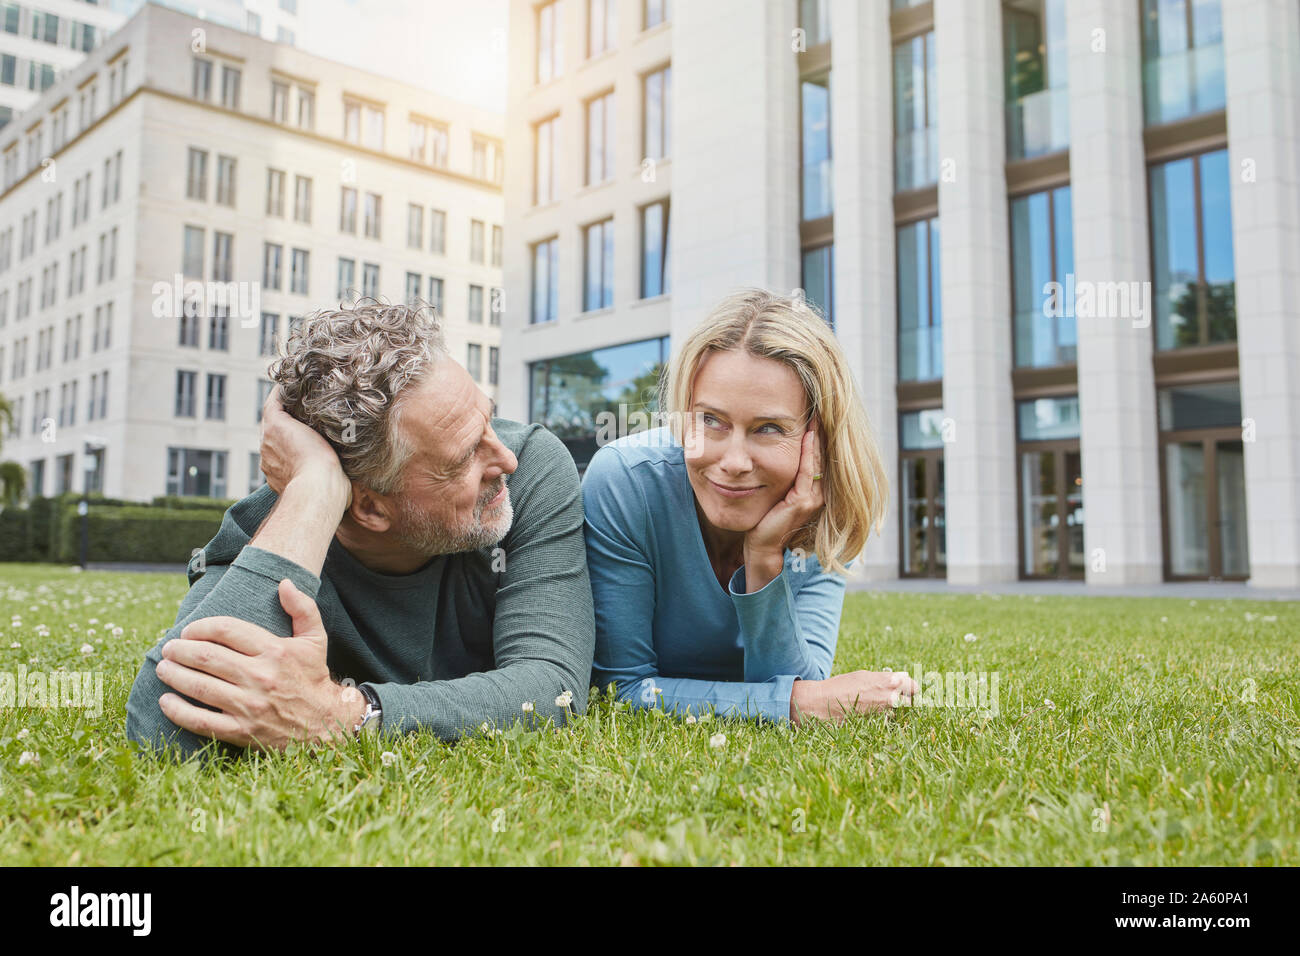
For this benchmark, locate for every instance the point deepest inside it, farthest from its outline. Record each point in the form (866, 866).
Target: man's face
(454, 496)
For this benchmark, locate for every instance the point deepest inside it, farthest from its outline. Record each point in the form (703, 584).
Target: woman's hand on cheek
(765, 542)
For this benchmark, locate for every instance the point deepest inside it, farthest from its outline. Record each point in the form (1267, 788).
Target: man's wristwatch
(371, 719)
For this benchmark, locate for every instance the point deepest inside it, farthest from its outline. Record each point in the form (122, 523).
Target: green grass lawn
(1172, 736)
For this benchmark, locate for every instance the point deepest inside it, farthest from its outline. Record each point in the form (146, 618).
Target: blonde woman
(717, 546)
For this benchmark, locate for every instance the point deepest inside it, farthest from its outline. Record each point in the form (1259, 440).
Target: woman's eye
(710, 421)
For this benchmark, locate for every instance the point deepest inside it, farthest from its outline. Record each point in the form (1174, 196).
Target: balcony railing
(1038, 123)
(1183, 84)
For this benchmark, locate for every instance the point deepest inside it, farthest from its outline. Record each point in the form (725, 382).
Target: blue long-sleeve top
(663, 623)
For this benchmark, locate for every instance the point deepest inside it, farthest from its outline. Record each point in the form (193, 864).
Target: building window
(373, 137)
(600, 138)
(1042, 267)
(215, 408)
(498, 245)
(437, 231)
(657, 100)
(189, 325)
(920, 318)
(352, 122)
(299, 271)
(264, 388)
(474, 361)
(654, 249)
(255, 477)
(302, 199)
(268, 334)
(271, 256)
(370, 280)
(435, 294)
(916, 111)
(412, 288)
(1182, 59)
(816, 153)
(567, 394)
(223, 266)
(275, 192)
(219, 329)
(546, 281)
(549, 42)
(815, 21)
(192, 252)
(428, 142)
(230, 87)
(476, 239)
(1191, 256)
(488, 159)
(279, 102)
(347, 279)
(195, 472)
(475, 315)
(414, 226)
(598, 266)
(306, 109)
(655, 12)
(545, 160)
(348, 210)
(494, 365)
(819, 280)
(602, 26)
(196, 179)
(200, 81)
(225, 180)
(1037, 77)
(185, 387)
(373, 215)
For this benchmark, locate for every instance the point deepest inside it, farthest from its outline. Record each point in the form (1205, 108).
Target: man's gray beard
(418, 532)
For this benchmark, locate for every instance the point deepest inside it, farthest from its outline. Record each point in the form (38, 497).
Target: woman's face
(743, 436)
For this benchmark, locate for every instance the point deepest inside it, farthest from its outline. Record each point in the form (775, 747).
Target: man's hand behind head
(291, 449)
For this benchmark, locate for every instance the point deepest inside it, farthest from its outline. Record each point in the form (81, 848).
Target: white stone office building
(155, 165)
(40, 40)
(1059, 240)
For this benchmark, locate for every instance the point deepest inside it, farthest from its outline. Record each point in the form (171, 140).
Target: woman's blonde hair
(787, 329)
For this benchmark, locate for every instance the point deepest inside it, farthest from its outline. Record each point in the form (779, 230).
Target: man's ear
(370, 510)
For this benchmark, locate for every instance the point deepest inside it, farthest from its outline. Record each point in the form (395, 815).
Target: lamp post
(91, 445)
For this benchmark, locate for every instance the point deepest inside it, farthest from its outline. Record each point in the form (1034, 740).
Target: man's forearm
(302, 523)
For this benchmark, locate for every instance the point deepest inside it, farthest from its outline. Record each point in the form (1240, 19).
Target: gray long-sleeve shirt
(467, 638)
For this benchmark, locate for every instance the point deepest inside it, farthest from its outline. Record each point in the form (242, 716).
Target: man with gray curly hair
(413, 562)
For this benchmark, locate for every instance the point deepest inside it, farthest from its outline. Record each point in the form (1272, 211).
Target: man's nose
(504, 459)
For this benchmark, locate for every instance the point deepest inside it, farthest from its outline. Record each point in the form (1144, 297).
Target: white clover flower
(1047, 702)
(925, 623)
(93, 620)
(388, 758)
(117, 632)
(28, 757)
(565, 699)
(87, 649)
(24, 734)
(14, 646)
(1163, 619)
(527, 707)
(970, 638)
(484, 728)
(889, 627)
(91, 632)
(690, 718)
(718, 740)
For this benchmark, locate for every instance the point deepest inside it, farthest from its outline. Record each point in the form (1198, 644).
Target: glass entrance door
(923, 550)
(1051, 510)
(1205, 506)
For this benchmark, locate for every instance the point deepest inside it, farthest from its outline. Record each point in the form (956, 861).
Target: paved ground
(1180, 589)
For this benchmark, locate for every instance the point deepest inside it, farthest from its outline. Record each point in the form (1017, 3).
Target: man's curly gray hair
(344, 372)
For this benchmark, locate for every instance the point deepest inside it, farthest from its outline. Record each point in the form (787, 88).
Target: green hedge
(49, 529)
(137, 533)
(197, 504)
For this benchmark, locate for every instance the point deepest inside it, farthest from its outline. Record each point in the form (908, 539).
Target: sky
(453, 47)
